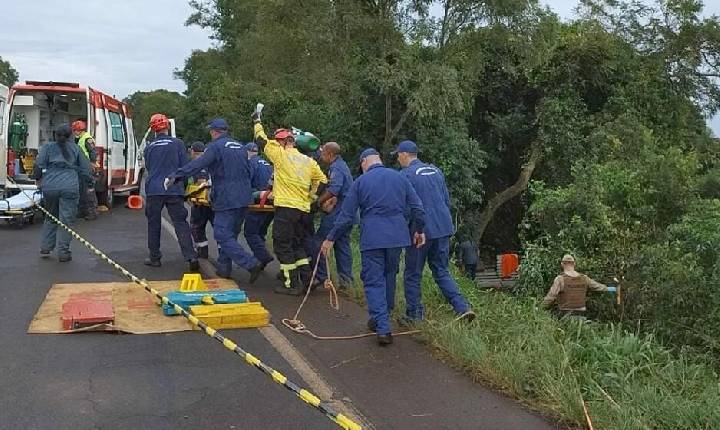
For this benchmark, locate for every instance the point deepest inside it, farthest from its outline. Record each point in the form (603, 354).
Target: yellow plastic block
(234, 315)
(192, 282)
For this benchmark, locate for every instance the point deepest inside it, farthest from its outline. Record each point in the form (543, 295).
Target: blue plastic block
(185, 300)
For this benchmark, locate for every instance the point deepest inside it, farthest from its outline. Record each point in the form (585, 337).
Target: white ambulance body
(45, 105)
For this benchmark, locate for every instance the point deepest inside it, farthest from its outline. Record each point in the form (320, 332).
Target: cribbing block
(192, 282)
(83, 312)
(243, 315)
(185, 300)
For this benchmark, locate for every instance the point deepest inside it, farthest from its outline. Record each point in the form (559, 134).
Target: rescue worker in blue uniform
(429, 183)
(226, 161)
(257, 223)
(330, 201)
(383, 197)
(200, 212)
(163, 156)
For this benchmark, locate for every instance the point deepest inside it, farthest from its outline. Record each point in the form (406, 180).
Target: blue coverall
(230, 171)
(429, 183)
(60, 176)
(339, 184)
(383, 197)
(257, 223)
(163, 156)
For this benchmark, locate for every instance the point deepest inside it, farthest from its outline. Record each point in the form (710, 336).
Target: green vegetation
(627, 380)
(147, 103)
(8, 75)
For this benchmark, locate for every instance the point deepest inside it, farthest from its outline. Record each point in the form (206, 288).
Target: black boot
(152, 263)
(385, 339)
(255, 272)
(202, 252)
(193, 265)
(372, 325)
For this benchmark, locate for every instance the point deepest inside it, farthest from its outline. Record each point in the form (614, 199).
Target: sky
(124, 46)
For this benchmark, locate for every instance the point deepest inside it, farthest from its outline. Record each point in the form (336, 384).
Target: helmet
(283, 133)
(159, 122)
(78, 125)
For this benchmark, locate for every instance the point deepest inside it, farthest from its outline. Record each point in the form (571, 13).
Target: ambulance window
(117, 128)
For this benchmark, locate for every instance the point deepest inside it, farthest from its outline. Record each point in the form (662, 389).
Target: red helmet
(283, 133)
(159, 122)
(78, 125)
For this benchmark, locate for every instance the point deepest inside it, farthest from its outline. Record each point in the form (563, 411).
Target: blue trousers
(225, 229)
(178, 215)
(63, 204)
(256, 228)
(379, 273)
(343, 255)
(437, 254)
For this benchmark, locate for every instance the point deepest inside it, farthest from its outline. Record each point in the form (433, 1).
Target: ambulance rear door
(4, 132)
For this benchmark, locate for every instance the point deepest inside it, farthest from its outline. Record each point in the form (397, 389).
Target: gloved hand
(168, 183)
(255, 117)
(258, 112)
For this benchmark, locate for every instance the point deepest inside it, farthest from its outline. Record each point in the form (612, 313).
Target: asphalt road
(186, 380)
(115, 381)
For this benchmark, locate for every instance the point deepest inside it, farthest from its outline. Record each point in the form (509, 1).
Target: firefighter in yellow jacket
(295, 185)
(569, 290)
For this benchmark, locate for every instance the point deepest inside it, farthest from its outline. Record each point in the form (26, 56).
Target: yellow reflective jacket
(296, 176)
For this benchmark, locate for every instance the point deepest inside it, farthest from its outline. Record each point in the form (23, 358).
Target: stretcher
(263, 202)
(21, 208)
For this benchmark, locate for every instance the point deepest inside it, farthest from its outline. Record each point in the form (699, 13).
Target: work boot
(385, 339)
(45, 253)
(467, 316)
(264, 263)
(152, 263)
(202, 252)
(64, 258)
(91, 218)
(372, 325)
(194, 265)
(255, 272)
(407, 322)
(292, 291)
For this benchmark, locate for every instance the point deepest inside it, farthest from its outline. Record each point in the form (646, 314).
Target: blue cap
(197, 147)
(251, 147)
(218, 124)
(406, 146)
(368, 152)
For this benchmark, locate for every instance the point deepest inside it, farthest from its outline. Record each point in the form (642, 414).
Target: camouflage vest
(572, 297)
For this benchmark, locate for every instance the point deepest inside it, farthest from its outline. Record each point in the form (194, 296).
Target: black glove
(255, 117)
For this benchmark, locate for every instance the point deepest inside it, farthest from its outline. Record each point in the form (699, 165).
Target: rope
(297, 326)
(308, 397)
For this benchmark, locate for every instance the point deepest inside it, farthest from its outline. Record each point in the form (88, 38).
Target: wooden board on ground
(136, 310)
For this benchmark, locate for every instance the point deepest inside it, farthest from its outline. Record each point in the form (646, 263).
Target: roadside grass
(627, 380)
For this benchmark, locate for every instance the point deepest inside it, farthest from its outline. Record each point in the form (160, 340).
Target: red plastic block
(82, 312)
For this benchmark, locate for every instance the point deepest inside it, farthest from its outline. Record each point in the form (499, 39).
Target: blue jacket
(340, 181)
(58, 173)
(262, 173)
(227, 162)
(383, 196)
(429, 183)
(163, 156)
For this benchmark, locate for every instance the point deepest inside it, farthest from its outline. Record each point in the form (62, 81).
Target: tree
(8, 75)
(147, 103)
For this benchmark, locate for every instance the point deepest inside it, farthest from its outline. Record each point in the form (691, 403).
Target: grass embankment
(627, 381)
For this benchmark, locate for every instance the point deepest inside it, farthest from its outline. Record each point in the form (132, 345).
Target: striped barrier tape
(308, 397)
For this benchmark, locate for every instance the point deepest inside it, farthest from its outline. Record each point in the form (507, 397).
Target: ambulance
(31, 111)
